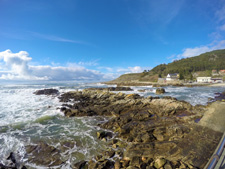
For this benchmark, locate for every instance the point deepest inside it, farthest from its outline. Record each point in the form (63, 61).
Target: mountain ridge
(202, 64)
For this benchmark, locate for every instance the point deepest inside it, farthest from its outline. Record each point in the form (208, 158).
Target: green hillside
(202, 64)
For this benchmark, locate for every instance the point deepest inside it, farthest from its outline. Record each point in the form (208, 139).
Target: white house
(217, 80)
(171, 77)
(204, 79)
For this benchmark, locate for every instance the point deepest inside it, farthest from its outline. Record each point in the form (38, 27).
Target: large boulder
(47, 92)
(160, 91)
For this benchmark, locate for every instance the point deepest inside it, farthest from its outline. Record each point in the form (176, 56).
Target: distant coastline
(156, 84)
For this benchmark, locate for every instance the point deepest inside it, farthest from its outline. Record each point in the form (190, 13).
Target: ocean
(26, 119)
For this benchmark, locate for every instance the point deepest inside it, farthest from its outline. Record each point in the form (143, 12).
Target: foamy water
(26, 119)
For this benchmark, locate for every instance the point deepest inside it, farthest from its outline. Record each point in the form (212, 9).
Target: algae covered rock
(160, 91)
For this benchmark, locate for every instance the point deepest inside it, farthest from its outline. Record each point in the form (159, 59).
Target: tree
(191, 76)
(160, 76)
(181, 76)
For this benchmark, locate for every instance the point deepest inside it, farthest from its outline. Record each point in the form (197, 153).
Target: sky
(100, 40)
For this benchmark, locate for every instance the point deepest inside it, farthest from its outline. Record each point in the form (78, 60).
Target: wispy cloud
(57, 38)
(222, 28)
(190, 52)
(160, 11)
(220, 13)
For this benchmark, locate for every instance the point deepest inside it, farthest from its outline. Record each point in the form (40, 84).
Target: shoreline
(156, 84)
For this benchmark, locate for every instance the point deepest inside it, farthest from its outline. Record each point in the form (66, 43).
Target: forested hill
(204, 62)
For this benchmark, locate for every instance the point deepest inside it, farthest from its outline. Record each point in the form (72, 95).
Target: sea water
(26, 119)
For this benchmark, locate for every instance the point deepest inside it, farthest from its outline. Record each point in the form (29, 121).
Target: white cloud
(190, 52)
(136, 69)
(66, 73)
(222, 28)
(15, 66)
(220, 14)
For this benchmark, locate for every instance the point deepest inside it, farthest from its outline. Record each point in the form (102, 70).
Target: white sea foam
(19, 105)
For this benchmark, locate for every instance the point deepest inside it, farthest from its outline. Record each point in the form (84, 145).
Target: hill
(201, 65)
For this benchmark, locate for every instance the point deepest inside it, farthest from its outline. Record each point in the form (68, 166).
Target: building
(172, 77)
(217, 80)
(215, 73)
(204, 79)
(222, 72)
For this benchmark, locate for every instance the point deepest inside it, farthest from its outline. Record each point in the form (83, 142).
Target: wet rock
(47, 92)
(109, 154)
(142, 90)
(159, 163)
(135, 161)
(12, 162)
(44, 154)
(81, 165)
(160, 91)
(107, 164)
(104, 134)
(168, 166)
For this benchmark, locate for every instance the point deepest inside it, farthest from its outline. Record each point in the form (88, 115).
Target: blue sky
(102, 39)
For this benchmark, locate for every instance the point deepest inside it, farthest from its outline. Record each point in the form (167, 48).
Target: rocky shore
(149, 132)
(141, 133)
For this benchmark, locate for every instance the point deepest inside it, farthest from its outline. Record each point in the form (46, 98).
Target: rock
(168, 166)
(160, 91)
(135, 161)
(109, 154)
(44, 155)
(132, 167)
(104, 134)
(159, 163)
(142, 90)
(106, 164)
(81, 165)
(11, 157)
(117, 164)
(12, 162)
(47, 92)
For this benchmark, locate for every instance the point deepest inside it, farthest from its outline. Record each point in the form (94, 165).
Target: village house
(215, 73)
(172, 77)
(217, 80)
(222, 72)
(204, 79)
